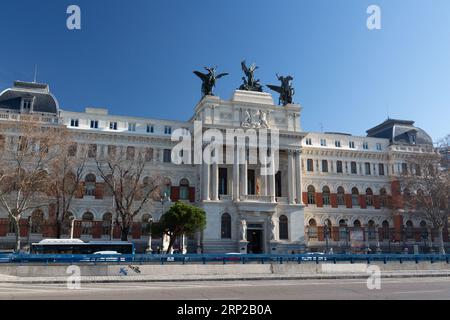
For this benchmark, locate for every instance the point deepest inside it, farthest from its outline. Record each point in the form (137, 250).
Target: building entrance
(254, 238)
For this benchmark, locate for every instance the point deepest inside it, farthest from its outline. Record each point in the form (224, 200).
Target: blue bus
(77, 246)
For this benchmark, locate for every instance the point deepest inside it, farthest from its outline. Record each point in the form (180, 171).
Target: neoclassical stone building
(329, 190)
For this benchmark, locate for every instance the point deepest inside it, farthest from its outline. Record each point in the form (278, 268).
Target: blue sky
(136, 57)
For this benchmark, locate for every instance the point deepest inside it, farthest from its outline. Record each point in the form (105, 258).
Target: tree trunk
(17, 227)
(171, 243)
(124, 233)
(441, 241)
(58, 228)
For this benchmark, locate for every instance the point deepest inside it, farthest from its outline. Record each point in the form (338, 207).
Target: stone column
(244, 179)
(298, 177)
(291, 198)
(215, 182)
(271, 179)
(236, 176)
(206, 182)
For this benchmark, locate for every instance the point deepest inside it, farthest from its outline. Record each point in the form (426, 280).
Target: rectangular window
(339, 167)
(351, 144)
(309, 165)
(167, 130)
(111, 151)
(130, 153)
(92, 151)
(149, 154)
(167, 156)
(74, 122)
(337, 143)
(381, 169)
(113, 125)
(94, 124)
(324, 166)
(150, 128)
(404, 168)
(308, 141)
(323, 142)
(379, 146)
(353, 167)
(365, 145)
(72, 152)
(367, 167)
(132, 127)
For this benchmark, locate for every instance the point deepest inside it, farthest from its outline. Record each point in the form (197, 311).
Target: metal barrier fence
(217, 258)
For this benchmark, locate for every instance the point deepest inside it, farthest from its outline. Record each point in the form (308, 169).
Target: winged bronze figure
(209, 80)
(286, 90)
(250, 84)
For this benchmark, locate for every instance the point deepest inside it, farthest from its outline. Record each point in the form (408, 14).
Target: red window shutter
(305, 198)
(333, 200)
(335, 233)
(77, 229)
(116, 232)
(80, 191)
(99, 190)
(376, 202)
(192, 194)
(319, 200)
(362, 201)
(97, 229)
(175, 194)
(23, 227)
(320, 234)
(3, 227)
(348, 200)
(136, 230)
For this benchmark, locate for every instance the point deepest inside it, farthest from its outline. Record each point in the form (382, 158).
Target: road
(409, 288)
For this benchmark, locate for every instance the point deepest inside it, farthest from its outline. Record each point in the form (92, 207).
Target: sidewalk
(235, 277)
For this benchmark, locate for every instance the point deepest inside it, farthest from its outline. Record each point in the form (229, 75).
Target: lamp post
(149, 246)
(72, 225)
(326, 231)
(164, 200)
(29, 231)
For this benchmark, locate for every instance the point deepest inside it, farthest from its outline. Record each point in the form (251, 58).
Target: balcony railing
(45, 118)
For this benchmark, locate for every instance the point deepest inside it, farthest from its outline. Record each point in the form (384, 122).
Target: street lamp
(149, 246)
(326, 231)
(29, 231)
(164, 200)
(72, 225)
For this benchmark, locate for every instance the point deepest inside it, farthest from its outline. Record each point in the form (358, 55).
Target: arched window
(184, 189)
(89, 182)
(423, 230)
(226, 226)
(343, 232)
(37, 220)
(311, 195)
(86, 223)
(357, 224)
(409, 230)
(371, 232)
(341, 196)
(166, 187)
(106, 224)
(383, 197)
(283, 228)
(385, 230)
(312, 229)
(326, 195)
(147, 220)
(355, 197)
(369, 197)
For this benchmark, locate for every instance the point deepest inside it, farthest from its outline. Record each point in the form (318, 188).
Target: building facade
(328, 191)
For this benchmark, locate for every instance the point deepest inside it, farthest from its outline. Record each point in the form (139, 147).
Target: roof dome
(42, 101)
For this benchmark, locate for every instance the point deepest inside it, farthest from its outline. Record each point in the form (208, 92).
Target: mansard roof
(400, 132)
(43, 100)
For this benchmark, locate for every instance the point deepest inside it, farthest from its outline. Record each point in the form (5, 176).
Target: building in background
(332, 190)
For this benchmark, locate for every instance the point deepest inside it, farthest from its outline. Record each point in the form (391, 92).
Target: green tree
(181, 219)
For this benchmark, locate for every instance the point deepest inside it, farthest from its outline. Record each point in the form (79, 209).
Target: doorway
(254, 238)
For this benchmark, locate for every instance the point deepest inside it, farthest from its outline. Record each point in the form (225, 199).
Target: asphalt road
(409, 288)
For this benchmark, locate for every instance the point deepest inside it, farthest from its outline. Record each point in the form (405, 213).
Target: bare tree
(66, 174)
(124, 175)
(28, 148)
(428, 192)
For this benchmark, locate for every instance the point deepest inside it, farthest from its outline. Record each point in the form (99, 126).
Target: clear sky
(136, 57)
